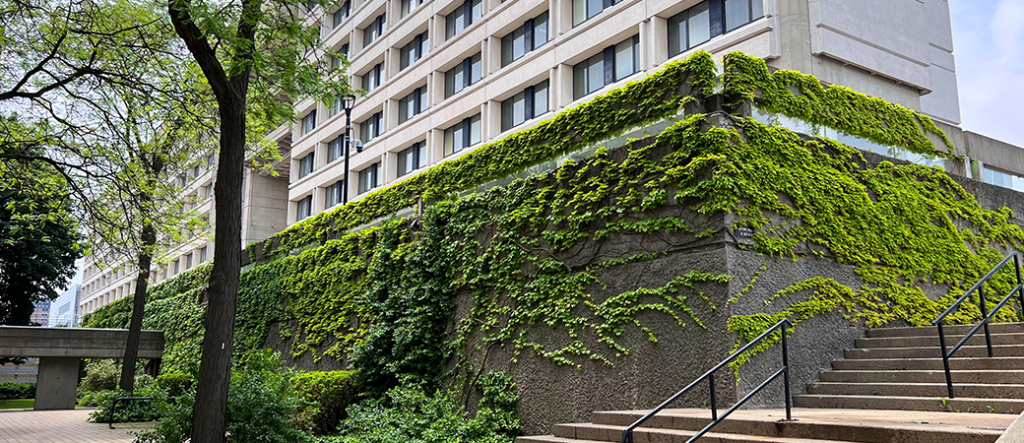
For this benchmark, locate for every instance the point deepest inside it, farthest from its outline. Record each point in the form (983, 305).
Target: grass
(26, 403)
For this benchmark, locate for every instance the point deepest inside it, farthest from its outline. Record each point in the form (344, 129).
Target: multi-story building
(264, 201)
(64, 309)
(445, 76)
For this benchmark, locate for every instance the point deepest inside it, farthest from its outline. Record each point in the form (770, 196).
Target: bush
(10, 390)
(407, 414)
(175, 384)
(331, 392)
(128, 411)
(101, 375)
(262, 406)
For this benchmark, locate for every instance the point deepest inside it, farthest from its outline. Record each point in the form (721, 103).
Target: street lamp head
(348, 101)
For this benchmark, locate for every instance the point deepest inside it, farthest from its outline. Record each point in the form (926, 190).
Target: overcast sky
(988, 40)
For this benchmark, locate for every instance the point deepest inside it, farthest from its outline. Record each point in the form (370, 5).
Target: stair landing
(810, 426)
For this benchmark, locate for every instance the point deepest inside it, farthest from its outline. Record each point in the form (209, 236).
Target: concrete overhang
(27, 341)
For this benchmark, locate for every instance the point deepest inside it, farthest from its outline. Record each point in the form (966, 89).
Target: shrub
(128, 411)
(175, 384)
(262, 406)
(10, 390)
(101, 375)
(331, 392)
(407, 414)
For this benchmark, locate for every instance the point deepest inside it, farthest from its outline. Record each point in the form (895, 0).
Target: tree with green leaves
(39, 240)
(258, 57)
(100, 94)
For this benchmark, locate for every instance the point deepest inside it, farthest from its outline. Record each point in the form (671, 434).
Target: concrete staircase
(901, 369)
(890, 388)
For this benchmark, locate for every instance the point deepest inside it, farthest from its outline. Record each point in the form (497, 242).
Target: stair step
(551, 439)
(861, 426)
(895, 364)
(934, 351)
(932, 331)
(610, 433)
(966, 390)
(951, 340)
(992, 405)
(910, 376)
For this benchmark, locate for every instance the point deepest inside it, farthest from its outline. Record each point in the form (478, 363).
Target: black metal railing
(113, 405)
(627, 435)
(985, 314)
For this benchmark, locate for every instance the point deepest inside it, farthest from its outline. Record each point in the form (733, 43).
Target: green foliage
(10, 390)
(101, 375)
(39, 239)
(656, 97)
(834, 106)
(131, 410)
(331, 393)
(262, 406)
(408, 303)
(175, 384)
(407, 414)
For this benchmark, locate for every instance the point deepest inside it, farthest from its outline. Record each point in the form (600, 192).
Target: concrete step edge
(711, 435)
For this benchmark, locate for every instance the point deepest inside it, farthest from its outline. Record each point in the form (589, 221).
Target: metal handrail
(627, 435)
(986, 316)
(113, 406)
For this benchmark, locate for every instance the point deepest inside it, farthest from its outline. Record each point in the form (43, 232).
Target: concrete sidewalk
(67, 426)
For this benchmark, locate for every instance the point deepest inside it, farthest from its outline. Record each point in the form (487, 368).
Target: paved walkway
(60, 427)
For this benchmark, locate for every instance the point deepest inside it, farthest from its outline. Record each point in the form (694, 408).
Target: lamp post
(347, 101)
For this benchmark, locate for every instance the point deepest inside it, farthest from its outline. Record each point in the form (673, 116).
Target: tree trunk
(131, 349)
(208, 424)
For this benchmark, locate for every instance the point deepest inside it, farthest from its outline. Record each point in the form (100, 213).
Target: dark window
(583, 10)
(334, 148)
(371, 128)
(611, 65)
(412, 104)
(741, 12)
(304, 208)
(462, 135)
(414, 50)
(341, 14)
(463, 75)
(412, 158)
(704, 20)
(533, 101)
(335, 194)
(202, 255)
(336, 61)
(188, 261)
(369, 178)
(375, 29)
(373, 78)
(306, 165)
(309, 122)
(410, 5)
(532, 35)
(465, 15)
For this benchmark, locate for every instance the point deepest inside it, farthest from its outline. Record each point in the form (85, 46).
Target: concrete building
(264, 202)
(445, 76)
(41, 314)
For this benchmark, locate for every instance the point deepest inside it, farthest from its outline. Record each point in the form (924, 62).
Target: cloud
(989, 49)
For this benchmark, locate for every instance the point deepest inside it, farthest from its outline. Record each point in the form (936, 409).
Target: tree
(257, 56)
(39, 241)
(100, 94)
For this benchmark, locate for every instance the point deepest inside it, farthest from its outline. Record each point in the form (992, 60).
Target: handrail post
(113, 408)
(945, 361)
(785, 375)
(1020, 283)
(714, 403)
(984, 314)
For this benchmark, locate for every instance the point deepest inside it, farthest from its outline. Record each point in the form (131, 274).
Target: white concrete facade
(900, 50)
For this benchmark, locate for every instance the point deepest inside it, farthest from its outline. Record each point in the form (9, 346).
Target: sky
(988, 42)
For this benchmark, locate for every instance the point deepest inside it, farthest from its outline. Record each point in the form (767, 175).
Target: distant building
(41, 314)
(21, 373)
(64, 310)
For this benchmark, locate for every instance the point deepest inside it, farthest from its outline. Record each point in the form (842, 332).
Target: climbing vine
(529, 257)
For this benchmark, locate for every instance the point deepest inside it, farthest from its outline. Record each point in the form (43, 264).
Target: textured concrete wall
(57, 383)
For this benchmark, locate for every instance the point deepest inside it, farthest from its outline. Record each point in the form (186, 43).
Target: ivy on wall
(384, 295)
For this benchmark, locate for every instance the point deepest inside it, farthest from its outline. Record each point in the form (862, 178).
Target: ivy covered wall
(610, 281)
